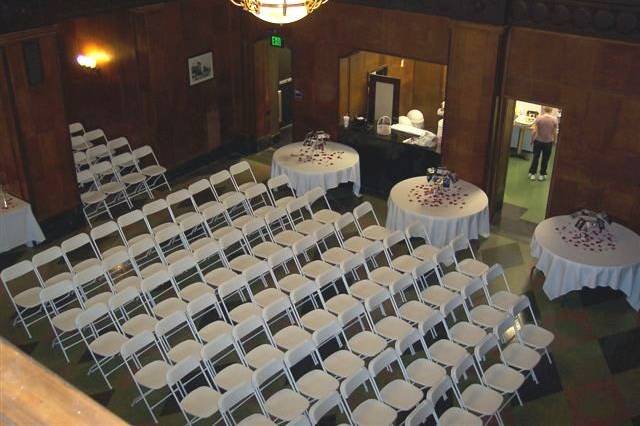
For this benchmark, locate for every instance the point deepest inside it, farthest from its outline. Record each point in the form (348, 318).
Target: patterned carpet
(594, 378)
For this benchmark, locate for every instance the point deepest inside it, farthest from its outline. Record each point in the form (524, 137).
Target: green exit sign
(276, 41)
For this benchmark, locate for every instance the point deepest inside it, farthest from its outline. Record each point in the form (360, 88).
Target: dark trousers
(545, 149)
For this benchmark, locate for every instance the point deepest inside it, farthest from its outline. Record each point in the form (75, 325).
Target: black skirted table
(386, 160)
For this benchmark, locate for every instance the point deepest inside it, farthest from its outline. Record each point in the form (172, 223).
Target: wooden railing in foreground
(30, 394)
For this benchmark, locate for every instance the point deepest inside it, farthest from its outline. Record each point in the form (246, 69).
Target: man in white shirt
(544, 133)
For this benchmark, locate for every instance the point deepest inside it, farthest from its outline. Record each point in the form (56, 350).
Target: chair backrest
(84, 177)
(102, 170)
(394, 238)
(297, 207)
(350, 315)
(130, 218)
(212, 350)
(324, 232)
(91, 315)
(420, 414)
(382, 361)
(144, 152)
(178, 197)
(474, 286)
(201, 304)
(277, 214)
(353, 262)
(295, 355)
(208, 249)
(486, 344)
(274, 368)
(461, 242)
(316, 193)
(166, 326)
(90, 274)
(349, 385)
(155, 206)
(304, 291)
(55, 291)
(182, 369)
(254, 225)
(258, 270)
(120, 142)
(281, 256)
(239, 168)
(235, 285)
(432, 322)
(155, 280)
(440, 389)
(47, 256)
(330, 276)
(123, 160)
(277, 309)
(235, 397)
(76, 127)
(409, 341)
(328, 332)
(258, 190)
(322, 407)
(16, 271)
(458, 370)
(375, 301)
(183, 264)
(220, 179)
(250, 328)
(142, 246)
(230, 238)
(399, 286)
(417, 230)
(104, 230)
(199, 186)
(137, 343)
(446, 256)
(77, 242)
(303, 244)
(95, 135)
(233, 200)
(123, 297)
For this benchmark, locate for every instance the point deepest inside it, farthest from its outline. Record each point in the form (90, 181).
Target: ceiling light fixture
(280, 11)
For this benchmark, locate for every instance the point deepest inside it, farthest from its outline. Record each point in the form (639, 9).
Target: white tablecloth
(18, 226)
(610, 259)
(463, 209)
(327, 169)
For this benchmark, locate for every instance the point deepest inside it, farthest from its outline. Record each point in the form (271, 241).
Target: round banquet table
(569, 261)
(326, 168)
(463, 209)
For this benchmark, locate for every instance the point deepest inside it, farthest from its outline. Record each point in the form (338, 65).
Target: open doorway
(533, 140)
(273, 93)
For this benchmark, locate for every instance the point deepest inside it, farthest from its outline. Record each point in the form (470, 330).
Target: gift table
(18, 226)
(327, 168)
(462, 209)
(571, 260)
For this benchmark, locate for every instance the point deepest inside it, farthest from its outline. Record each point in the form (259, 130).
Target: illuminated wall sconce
(93, 59)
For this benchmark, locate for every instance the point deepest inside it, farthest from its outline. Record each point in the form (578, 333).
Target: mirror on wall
(374, 84)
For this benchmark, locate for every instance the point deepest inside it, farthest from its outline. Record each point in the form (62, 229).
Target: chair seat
(243, 262)
(63, 276)
(505, 301)
(266, 249)
(424, 372)
(98, 298)
(133, 178)
(367, 344)
(112, 188)
(232, 376)
(425, 252)
(374, 412)
(291, 336)
(201, 402)
(184, 349)
(263, 211)
(315, 268)
(262, 355)
(138, 324)
(219, 276)
(436, 295)
(326, 216)
(481, 399)
(503, 378)
(486, 316)
(256, 420)
(286, 405)
(357, 243)
(221, 232)
(108, 344)
(213, 330)
(401, 395)
(316, 319)
(393, 328)
(467, 334)
(364, 289)
(282, 202)
(93, 197)
(416, 312)
(177, 255)
(336, 255)
(154, 170)
(343, 363)
(241, 221)
(87, 263)
(169, 306)
(405, 263)
(195, 290)
(375, 232)
(308, 227)
(384, 276)
(520, 356)
(472, 267)
(317, 384)
(30, 298)
(66, 321)
(153, 375)
(149, 270)
(188, 216)
(245, 186)
(455, 281)
(245, 311)
(447, 353)
(340, 303)
(288, 237)
(535, 336)
(268, 296)
(292, 282)
(456, 416)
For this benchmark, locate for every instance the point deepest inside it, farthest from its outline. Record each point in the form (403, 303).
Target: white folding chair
(106, 177)
(365, 343)
(107, 239)
(352, 241)
(389, 326)
(281, 190)
(24, 296)
(177, 338)
(242, 176)
(119, 146)
(259, 200)
(188, 278)
(161, 294)
(148, 368)
(498, 376)
(225, 364)
(79, 252)
(239, 398)
(290, 334)
(237, 287)
(315, 384)
(80, 160)
(128, 172)
(95, 136)
(477, 398)
(259, 354)
(426, 250)
(463, 333)
(315, 317)
(517, 355)
(470, 266)
(94, 200)
(420, 370)
(340, 363)
(198, 311)
(421, 414)
(131, 312)
(93, 285)
(323, 214)
(301, 216)
(323, 407)
(307, 248)
(51, 267)
(483, 315)
(370, 229)
(97, 153)
(222, 184)
(61, 306)
(455, 415)
(454, 281)
(78, 143)
(158, 214)
(532, 335)
(504, 300)
(396, 391)
(283, 260)
(146, 257)
(76, 129)
(151, 168)
(259, 237)
(238, 209)
(284, 404)
(262, 273)
(172, 242)
(134, 219)
(370, 411)
(103, 339)
(195, 404)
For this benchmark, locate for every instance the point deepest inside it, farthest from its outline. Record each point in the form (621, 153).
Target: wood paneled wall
(596, 82)
(33, 130)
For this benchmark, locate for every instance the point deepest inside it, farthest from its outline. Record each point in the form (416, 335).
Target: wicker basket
(384, 126)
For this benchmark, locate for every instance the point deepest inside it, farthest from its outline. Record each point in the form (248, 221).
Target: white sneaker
(532, 176)
(542, 177)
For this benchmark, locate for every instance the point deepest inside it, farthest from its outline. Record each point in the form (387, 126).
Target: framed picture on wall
(200, 68)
